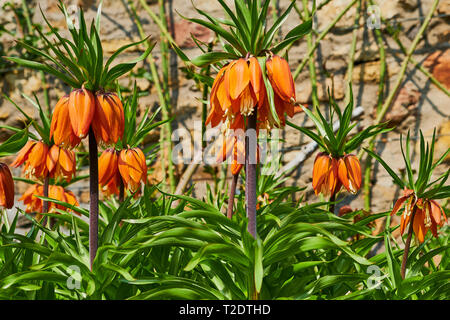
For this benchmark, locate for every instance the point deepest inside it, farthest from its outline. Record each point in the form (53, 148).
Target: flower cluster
(40, 161)
(74, 115)
(35, 204)
(127, 166)
(427, 216)
(330, 174)
(238, 90)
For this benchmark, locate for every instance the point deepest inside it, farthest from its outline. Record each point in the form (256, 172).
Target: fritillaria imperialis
(80, 64)
(421, 210)
(253, 89)
(6, 187)
(330, 174)
(335, 166)
(35, 204)
(41, 161)
(127, 167)
(427, 216)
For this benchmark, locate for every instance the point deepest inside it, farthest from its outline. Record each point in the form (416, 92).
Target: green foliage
(337, 144)
(178, 247)
(422, 186)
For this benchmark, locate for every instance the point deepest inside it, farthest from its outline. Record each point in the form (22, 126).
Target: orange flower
(34, 204)
(6, 187)
(61, 128)
(109, 118)
(132, 168)
(233, 146)
(34, 155)
(61, 163)
(325, 175)
(41, 161)
(81, 111)
(427, 217)
(349, 173)
(237, 90)
(330, 174)
(282, 82)
(109, 176)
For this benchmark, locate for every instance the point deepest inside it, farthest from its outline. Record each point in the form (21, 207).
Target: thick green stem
(94, 197)
(408, 243)
(250, 172)
(121, 191)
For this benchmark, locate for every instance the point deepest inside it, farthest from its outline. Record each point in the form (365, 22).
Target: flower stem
(121, 191)
(231, 197)
(408, 243)
(332, 199)
(94, 193)
(250, 172)
(45, 203)
(5, 218)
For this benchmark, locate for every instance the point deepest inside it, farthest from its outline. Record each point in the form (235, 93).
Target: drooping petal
(6, 187)
(107, 166)
(398, 204)
(109, 118)
(349, 172)
(418, 225)
(320, 171)
(239, 78)
(52, 158)
(281, 78)
(123, 166)
(81, 111)
(256, 77)
(436, 211)
(23, 154)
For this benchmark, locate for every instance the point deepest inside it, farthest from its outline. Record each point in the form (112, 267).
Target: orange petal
(333, 177)
(109, 118)
(81, 111)
(418, 226)
(320, 171)
(239, 78)
(256, 78)
(123, 166)
(23, 154)
(6, 187)
(398, 204)
(281, 78)
(52, 158)
(436, 211)
(107, 166)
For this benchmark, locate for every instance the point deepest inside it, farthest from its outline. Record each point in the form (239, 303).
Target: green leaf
(212, 57)
(13, 145)
(397, 180)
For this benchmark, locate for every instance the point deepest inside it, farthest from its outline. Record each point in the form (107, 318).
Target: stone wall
(419, 104)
